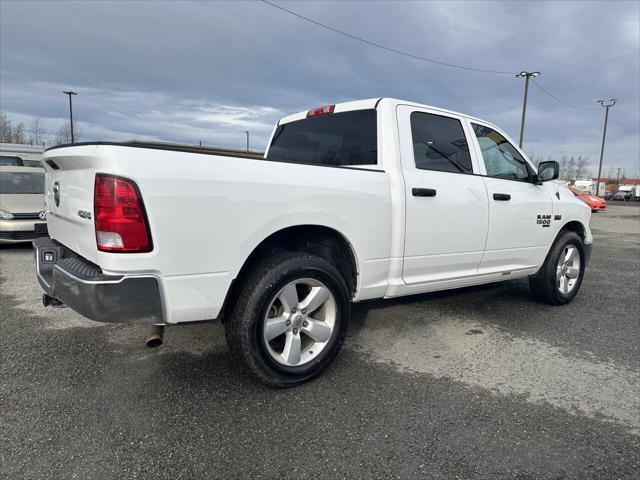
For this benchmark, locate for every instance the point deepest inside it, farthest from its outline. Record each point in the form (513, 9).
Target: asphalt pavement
(474, 383)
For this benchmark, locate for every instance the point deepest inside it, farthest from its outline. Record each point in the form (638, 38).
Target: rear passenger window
(439, 144)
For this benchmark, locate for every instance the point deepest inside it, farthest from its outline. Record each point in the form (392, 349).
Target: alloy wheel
(299, 322)
(568, 269)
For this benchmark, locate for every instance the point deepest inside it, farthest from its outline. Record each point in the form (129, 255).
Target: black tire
(544, 284)
(244, 328)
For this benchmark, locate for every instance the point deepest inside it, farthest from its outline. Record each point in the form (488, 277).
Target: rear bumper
(83, 287)
(13, 231)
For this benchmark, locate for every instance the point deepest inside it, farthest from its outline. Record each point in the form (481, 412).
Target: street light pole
(607, 106)
(71, 112)
(527, 76)
(247, 140)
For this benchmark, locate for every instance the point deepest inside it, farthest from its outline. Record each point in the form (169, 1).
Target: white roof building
(24, 151)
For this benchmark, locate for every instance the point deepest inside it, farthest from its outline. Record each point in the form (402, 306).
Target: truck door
(446, 216)
(520, 212)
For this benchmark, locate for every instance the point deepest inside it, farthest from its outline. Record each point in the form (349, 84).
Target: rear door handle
(423, 192)
(503, 197)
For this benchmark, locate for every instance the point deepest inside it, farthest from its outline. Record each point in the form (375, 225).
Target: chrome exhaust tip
(155, 335)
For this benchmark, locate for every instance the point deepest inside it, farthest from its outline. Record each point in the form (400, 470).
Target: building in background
(608, 186)
(613, 185)
(29, 154)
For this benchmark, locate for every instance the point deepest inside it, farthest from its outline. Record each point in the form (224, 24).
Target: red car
(596, 203)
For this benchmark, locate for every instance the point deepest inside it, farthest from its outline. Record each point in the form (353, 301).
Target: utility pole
(247, 140)
(618, 176)
(607, 106)
(71, 112)
(526, 76)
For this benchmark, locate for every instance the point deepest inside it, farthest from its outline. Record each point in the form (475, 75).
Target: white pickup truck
(367, 199)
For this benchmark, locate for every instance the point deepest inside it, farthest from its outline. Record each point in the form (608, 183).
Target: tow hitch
(49, 301)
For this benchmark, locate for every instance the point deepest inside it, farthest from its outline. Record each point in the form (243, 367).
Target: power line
(559, 99)
(384, 47)
(417, 57)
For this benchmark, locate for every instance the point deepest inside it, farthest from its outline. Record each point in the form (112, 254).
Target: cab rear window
(337, 139)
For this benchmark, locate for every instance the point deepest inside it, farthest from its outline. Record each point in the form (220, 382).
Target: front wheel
(290, 318)
(558, 280)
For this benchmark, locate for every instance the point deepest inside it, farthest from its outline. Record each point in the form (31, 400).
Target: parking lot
(474, 383)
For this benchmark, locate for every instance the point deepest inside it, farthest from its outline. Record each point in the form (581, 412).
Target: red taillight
(120, 219)
(321, 111)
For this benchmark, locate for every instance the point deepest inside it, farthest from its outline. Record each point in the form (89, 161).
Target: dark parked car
(622, 196)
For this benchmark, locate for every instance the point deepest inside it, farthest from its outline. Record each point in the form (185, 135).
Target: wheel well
(317, 240)
(574, 226)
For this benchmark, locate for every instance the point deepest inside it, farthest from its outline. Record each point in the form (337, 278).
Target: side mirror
(548, 171)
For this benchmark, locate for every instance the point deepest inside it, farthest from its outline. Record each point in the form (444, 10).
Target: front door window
(501, 159)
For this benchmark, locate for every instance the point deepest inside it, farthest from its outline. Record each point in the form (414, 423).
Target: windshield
(21, 182)
(347, 138)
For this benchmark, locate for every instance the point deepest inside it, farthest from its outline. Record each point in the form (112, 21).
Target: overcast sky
(208, 71)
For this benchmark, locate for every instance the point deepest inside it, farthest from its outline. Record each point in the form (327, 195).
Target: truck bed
(207, 211)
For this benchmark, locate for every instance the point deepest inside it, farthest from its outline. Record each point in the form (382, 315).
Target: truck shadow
(497, 303)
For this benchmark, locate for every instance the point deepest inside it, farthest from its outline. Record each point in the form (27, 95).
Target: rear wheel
(290, 318)
(560, 277)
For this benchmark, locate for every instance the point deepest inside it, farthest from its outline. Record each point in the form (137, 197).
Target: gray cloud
(208, 71)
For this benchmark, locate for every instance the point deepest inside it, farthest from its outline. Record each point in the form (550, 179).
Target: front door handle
(423, 192)
(502, 197)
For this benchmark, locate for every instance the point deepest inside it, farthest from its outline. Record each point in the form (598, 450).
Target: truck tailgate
(69, 184)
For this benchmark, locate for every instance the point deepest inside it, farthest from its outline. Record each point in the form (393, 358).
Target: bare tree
(11, 133)
(581, 166)
(37, 131)
(571, 168)
(6, 129)
(64, 133)
(19, 134)
(564, 174)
